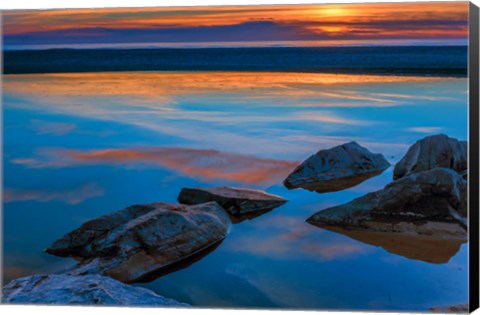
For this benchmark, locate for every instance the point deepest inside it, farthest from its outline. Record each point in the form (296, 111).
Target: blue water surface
(77, 146)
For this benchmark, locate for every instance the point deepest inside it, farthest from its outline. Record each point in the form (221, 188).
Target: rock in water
(431, 152)
(431, 203)
(237, 201)
(336, 169)
(135, 242)
(80, 290)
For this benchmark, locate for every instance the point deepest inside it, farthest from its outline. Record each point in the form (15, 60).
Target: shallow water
(80, 145)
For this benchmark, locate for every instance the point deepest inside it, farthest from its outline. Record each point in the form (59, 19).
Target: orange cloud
(366, 19)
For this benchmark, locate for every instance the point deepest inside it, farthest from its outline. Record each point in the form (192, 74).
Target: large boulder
(432, 202)
(80, 290)
(140, 240)
(237, 201)
(431, 152)
(336, 169)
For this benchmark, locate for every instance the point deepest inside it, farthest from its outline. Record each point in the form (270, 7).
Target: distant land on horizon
(239, 44)
(384, 60)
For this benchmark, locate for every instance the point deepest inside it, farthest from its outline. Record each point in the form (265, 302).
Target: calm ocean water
(419, 60)
(79, 145)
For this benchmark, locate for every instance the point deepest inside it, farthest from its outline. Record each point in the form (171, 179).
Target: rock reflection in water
(185, 263)
(418, 247)
(340, 183)
(249, 216)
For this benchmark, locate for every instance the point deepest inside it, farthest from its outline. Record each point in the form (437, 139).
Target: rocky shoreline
(427, 199)
(137, 244)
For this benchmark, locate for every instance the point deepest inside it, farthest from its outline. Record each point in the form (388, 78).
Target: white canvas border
(81, 310)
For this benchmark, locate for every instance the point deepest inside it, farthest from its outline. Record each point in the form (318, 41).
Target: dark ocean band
(394, 60)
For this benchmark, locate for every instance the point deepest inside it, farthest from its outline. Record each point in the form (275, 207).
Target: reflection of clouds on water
(230, 111)
(325, 117)
(282, 292)
(71, 196)
(291, 238)
(167, 85)
(51, 128)
(204, 164)
(429, 130)
(144, 136)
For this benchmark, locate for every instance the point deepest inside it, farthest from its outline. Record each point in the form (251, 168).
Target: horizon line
(241, 44)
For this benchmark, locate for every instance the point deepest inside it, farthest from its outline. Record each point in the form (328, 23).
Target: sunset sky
(369, 23)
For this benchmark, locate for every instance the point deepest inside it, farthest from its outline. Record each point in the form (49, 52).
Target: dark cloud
(250, 31)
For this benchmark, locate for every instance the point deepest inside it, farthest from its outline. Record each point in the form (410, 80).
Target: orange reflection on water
(165, 86)
(73, 196)
(204, 164)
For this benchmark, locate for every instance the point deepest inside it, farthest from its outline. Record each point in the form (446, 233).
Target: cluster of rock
(132, 244)
(428, 195)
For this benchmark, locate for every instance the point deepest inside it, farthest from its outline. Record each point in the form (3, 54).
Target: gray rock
(135, 242)
(431, 203)
(431, 152)
(336, 169)
(237, 201)
(456, 309)
(80, 290)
